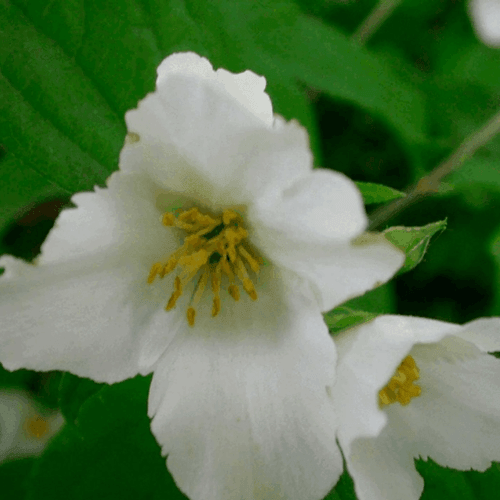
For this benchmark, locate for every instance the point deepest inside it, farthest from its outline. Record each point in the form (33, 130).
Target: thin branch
(430, 183)
(375, 19)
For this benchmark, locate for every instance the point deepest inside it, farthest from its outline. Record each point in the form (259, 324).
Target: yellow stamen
(242, 274)
(216, 282)
(216, 307)
(191, 313)
(249, 287)
(401, 388)
(168, 219)
(234, 291)
(254, 265)
(155, 269)
(214, 246)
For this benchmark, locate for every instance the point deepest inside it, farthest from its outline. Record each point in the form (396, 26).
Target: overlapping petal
(457, 419)
(454, 421)
(311, 228)
(214, 144)
(85, 306)
(245, 414)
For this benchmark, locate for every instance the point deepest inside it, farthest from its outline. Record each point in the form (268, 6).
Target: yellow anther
(213, 246)
(234, 291)
(178, 284)
(189, 215)
(254, 265)
(216, 307)
(168, 267)
(200, 288)
(172, 301)
(194, 261)
(384, 398)
(191, 314)
(156, 268)
(228, 216)
(401, 387)
(168, 219)
(249, 287)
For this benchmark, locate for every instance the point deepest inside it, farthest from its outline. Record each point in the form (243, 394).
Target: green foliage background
(385, 114)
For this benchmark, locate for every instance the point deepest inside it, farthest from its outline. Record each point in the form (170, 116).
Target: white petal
(368, 355)
(100, 320)
(323, 207)
(380, 459)
(483, 332)
(122, 220)
(340, 272)
(196, 138)
(247, 87)
(382, 469)
(456, 420)
(86, 307)
(485, 16)
(241, 409)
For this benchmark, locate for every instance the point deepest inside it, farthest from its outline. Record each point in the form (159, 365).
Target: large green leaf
(477, 174)
(14, 478)
(273, 36)
(71, 69)
(73, 392)
(110, 452)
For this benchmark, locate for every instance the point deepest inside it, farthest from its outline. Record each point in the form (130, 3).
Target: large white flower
(26, 426)
(217, 216)
(412, 387)
(485, 17)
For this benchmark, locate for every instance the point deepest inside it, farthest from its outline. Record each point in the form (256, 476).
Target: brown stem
(431, 182)
(375, 19)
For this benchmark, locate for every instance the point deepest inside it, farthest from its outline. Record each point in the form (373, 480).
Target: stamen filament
(254, 265)
(213, 245)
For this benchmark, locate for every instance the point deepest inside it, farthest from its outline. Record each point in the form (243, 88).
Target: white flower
(25, 426)
(411, 387)
(214, 195)
(485, 16)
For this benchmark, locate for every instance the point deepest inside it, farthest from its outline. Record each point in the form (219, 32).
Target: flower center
(213, 247)
(401, 387)
(36, 426)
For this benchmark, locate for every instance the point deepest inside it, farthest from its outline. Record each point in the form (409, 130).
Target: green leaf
(73, 392)
(110, 453)
(377, 193)
(14, 478)
(442, 482)
(414, 241)
(478, 173)
(494, 248)
(274, 37)
(343, 317)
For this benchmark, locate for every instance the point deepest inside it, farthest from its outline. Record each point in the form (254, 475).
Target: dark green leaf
(478, 173)
(14, 477)
(110, 453)
(73, 392)
(377, 193)
(414, 241)
(274, 37)
(441, 482)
